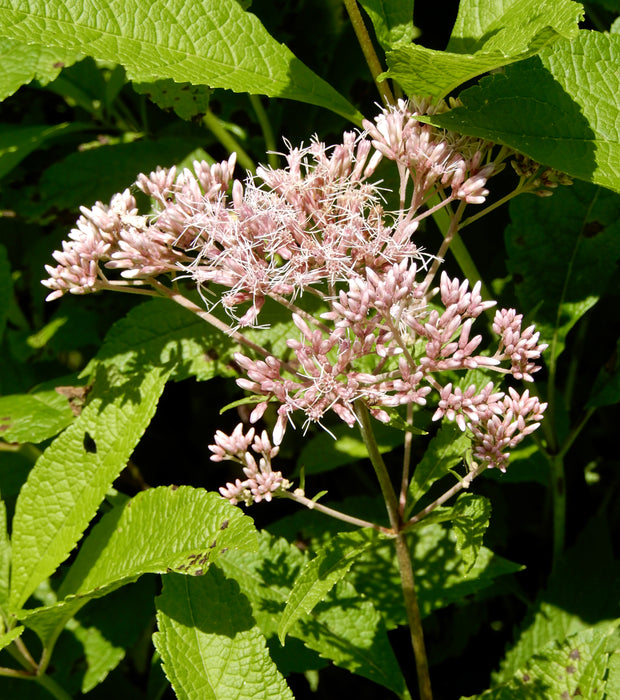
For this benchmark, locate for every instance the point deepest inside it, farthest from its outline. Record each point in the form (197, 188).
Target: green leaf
(188, 101)
(70, 479)
(444, 452)
(33, 417)
(321, 574)
(563, 252)
(17, 142)
(346, 628)
(486, 37)
(7, 638)
(210, 644)
(149, 534)
(23, 62)
(559, 108)
(97, 173)
(575, 667)
(209, 42)
(564, 608)
(392, 21)
(160, 332)
(606, 389)
(471, 520)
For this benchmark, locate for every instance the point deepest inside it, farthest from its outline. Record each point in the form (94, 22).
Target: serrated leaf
(149, 534)
(606, 389)
(188, 101)
(392, 21)
(33, 417)
(70, 479)
(7, 638)
(574, 667)
(321, 574)
(564, 608)
(211, 42)
(23, 62)
(560, 108)
(210, 644)
(563, 252)
(471, 520)
(444, 452)
(160, 332)
(17, 142)
(497, 35)
(346, 628)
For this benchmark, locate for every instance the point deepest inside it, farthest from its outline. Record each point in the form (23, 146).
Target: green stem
(265, 125)
(368, 50)
(52, 687)
(326, 510)
(558, 491)
(403, 553)
(227, 140)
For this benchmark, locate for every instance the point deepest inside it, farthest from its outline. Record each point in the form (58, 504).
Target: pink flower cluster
(261, 481)
(317, 227)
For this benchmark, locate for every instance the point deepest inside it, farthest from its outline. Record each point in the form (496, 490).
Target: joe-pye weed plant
(313, 285)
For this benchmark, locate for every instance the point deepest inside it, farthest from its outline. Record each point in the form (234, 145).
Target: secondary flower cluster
(383, 335)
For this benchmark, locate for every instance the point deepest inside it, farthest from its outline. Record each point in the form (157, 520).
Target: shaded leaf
(606, 389)
(206, 42)
(471, 514)
(559, 108)
(210, 644)
(5, 557)
(33, 417)
(6, 288)
(188, 101)
(562, 252)
(321, 574)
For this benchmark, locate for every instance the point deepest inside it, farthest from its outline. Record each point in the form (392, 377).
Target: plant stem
(403, 554)
(558, 490)
(227, 140)
(52, 687)
(326, 510)
(265, 125)
(368, 50)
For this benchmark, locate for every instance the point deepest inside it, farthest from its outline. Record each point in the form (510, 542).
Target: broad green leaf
(210, 644)
(560, 108)
(6, 288)
(188, 101)
(444, 452)
(346, 628)
(323, 453)
(606, 389)
(70, 479)
(392, 20)
(98, 173)
(567, 605)
(320, 575)
(33, 417)
(563, 252)
(160, 332)
(150, 534)
(17, 142)
(23, 62)
(471, 520)
(212, 42)
(575, 667)
(5, 557)
(500, 34)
